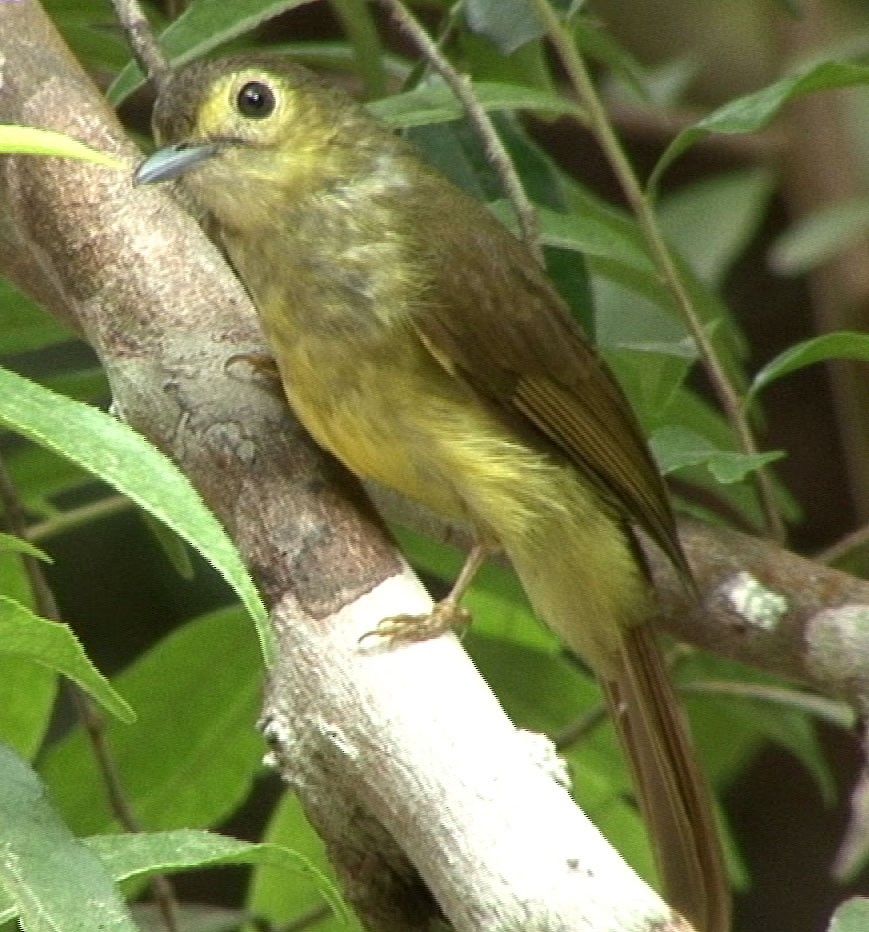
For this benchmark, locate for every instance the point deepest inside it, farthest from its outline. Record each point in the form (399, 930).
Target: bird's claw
(445, 616)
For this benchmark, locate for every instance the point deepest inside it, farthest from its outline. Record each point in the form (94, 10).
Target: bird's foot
(261, 364)
(445, 616)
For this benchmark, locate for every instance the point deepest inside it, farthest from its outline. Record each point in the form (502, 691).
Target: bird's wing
(495, 322)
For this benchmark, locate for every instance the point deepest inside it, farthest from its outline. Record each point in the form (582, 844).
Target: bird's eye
(256, 100)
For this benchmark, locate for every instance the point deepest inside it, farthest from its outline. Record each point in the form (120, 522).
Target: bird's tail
(673, 795)
(585, 580)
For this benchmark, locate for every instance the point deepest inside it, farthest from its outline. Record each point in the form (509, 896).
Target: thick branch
(761, 605)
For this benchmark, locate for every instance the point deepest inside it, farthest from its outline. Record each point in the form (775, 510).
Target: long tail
(673, 794)
(581, 573)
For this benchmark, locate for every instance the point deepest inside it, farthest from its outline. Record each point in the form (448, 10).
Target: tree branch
(761, 605)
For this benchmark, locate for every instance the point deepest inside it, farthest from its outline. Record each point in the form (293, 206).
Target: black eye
(256, 100)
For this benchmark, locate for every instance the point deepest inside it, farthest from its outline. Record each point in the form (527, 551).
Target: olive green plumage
(419, 342)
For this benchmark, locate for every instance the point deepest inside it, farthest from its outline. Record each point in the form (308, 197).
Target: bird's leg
(446, 614)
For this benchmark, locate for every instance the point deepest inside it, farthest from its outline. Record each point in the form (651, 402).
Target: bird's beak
(172, 161)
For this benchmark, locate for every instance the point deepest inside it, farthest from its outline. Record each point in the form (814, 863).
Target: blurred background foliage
(768, 221)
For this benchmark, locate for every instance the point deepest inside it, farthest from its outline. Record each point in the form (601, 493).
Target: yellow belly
(407, 423)
(379, 417)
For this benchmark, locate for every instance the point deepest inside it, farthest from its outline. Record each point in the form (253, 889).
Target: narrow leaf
(146, 854)
(124, 459)
(840, 345)
(675, 448)
(592, 233)
(507, 24)
(12, 544)
(835, 713)
(275, 900)
(819, 236)
(197, 694)
(755, 111)
(358, 25)
(27, 696)
(54, 882)
(192, 917)
(436, 103)
(732, 204)
(28, 140)
(53, 645)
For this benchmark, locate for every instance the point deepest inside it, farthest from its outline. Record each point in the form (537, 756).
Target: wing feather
(496, 323)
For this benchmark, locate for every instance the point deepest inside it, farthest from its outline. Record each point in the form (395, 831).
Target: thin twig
(581, 727)
(846, 545)
(832, 711)
(665, 265)
(46, 607)
(479, 120)
(95, 726)
(142, 43)
(76, 517)
(16, 523)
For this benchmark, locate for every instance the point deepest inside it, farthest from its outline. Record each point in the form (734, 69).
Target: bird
(420, 342)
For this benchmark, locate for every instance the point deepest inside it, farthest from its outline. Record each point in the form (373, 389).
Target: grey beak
(172, 161)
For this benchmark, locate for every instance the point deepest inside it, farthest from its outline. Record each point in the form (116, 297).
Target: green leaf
(190, 758)
(27, 689)
(275, 898)
(88, 384)
(840, 345)
(52, 644)
(12, 544)
(53, 880)
(91, 30)
(753, 707)
(689, 411)
(835, 713)
(755, 111)
(28, 140)
(445, 148)
(172, 546)
(731, 204)
(191, 917)
(358, 25)
(507, 24)
(203, 26)
(38, 475)
(27, 695)
(25, 325)
(592, 233)
(651, 374)
(851, 916)
(675, 447)
(146, 854)
(819, 236)
(124, 459)
(599, 45)
(544, 185)
(436, 103)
